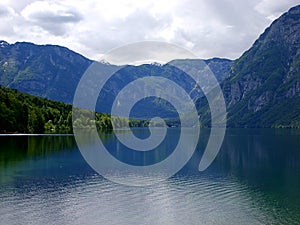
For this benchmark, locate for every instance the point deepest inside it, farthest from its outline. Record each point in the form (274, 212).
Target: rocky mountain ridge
(263, 87)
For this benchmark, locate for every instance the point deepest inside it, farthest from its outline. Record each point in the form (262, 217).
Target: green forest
(24, 113)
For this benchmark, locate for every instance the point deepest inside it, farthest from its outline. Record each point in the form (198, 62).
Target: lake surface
(255, 179)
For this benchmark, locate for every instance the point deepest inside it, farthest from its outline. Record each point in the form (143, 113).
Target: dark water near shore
(255, 179)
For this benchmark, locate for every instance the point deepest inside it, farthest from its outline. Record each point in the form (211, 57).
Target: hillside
(46, 71)
(263, 87)
(23, 113)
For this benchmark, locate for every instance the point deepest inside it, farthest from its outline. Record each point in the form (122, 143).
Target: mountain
(47, 71)
(220, 67)
(151, 107)
(53, 72)
(263, 87)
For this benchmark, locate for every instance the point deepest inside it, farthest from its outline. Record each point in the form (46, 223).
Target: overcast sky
(208, 28)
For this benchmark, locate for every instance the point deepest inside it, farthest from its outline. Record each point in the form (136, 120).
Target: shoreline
(25, 134)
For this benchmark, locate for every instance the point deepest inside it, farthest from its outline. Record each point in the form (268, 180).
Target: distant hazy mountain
(219, 66)
(53, 72)
(263, 87)
(159, 107)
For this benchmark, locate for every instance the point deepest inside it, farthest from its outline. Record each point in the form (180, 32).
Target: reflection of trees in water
(17, 148)
(42, 145)
(260, 149)
(262, 157)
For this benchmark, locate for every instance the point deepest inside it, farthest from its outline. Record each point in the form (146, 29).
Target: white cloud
(7, 16)
(272, 9)
(209, 28)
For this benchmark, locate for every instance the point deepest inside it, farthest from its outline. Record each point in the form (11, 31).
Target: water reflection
(140, 158)
(254, 180)
(16, 148)
(266, 160)
(260, 153)
(26, 157)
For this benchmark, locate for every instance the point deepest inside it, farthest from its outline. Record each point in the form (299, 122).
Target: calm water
(254, 180)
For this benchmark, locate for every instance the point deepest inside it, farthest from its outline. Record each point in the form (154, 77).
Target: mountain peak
(3, 44)
(294, 10)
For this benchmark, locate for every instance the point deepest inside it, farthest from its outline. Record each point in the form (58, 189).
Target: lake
(255, 179)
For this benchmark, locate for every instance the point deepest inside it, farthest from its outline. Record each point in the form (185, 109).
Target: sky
(208, 28)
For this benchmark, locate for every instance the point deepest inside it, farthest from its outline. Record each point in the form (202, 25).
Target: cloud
(92, 27)
(217, 28)
(109, 31)
(145, 52)
(211, 28)
(7, 18)
(272, 9)
(6, 11)
(51, 17)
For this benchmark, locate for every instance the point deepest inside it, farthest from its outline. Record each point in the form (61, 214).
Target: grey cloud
(53, 20)
(71, 16)
(5, 11)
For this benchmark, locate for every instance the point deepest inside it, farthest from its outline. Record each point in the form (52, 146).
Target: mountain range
(261, 88)
(53, 72)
